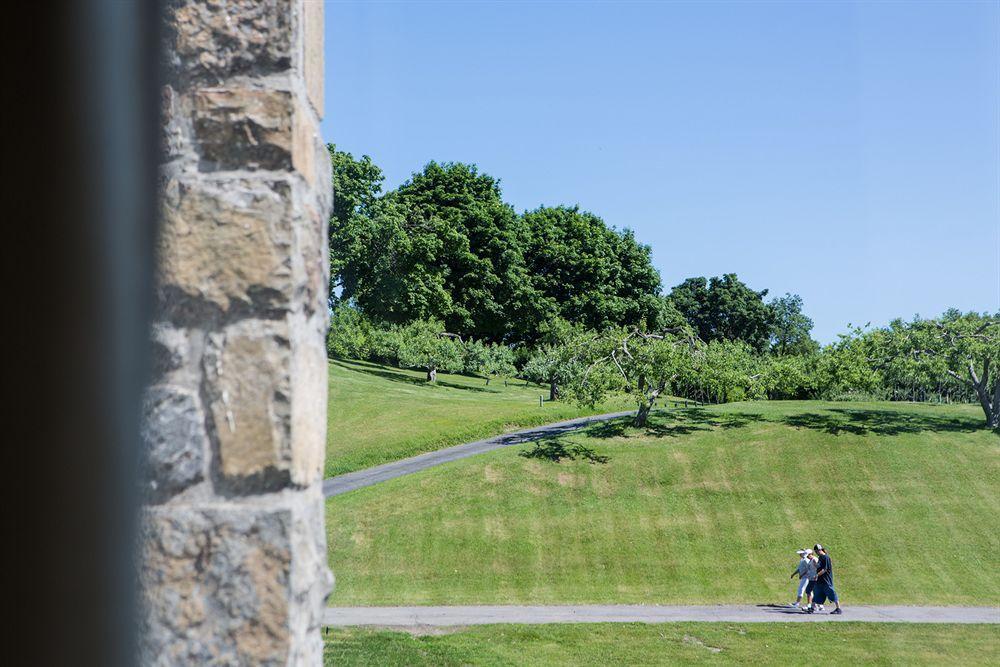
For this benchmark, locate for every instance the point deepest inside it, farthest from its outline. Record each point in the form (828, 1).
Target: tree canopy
(724, 308)
(445, 246)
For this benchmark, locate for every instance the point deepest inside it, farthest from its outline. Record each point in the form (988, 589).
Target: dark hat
(818, 547)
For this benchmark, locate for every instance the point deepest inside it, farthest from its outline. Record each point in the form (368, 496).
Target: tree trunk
(487, 380)
(553, 391)
(432, 375)
(642, 416)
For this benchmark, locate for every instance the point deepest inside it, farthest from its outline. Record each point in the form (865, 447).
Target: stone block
(248, 378)
(175, 440)
(210, 41)
(309, 399)
(305, 140)
(225, 248)
(217, 586)
(244, 128)
(312, 19)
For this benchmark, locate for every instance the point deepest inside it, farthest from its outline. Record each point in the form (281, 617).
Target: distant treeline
(442, 274)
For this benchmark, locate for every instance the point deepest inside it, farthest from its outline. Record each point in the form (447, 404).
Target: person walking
(824, 590)
(806, 571)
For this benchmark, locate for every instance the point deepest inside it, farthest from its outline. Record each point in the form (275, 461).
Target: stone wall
(233, 543)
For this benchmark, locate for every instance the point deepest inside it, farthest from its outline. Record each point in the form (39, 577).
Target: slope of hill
(379, 413)
(704, 506)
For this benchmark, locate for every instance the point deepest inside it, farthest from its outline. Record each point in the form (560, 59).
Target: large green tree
(588, 273)
(791, 327)
(724, 308)
(445, 246)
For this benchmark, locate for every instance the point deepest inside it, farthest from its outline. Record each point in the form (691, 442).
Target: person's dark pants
(811, 587)
(823, 592)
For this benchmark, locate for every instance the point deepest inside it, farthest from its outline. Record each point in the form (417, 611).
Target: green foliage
(445, 246)
(790, 377)
(424, 344)
(350, 333)
(725, 309)
(722, 371)
(790, 327)
(643, 365)
(488, 359)
(588, 273)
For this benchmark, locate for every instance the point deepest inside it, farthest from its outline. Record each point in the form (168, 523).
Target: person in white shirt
(806, 572)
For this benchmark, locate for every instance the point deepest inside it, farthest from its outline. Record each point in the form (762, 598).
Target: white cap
(802, 551)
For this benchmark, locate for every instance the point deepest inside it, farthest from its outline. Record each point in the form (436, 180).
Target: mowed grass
(669, 644)
(705, 506)
(379, 413)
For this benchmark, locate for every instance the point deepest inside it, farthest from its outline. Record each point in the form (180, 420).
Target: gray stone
(217, 586)
(175, 439)
(210, 41)
(240, 128)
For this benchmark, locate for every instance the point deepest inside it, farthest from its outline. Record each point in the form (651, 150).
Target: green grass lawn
(378, 413)
(704, 506)
(675, 643)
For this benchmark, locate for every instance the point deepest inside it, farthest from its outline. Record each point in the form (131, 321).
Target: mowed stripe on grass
(705, 506)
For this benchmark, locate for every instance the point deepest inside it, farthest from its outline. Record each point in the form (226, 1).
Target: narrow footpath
(334, 486)
(413, 617)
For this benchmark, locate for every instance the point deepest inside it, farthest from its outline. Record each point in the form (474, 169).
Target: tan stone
(305, 137)
(227, 244)
(248, 369)
(312, 19)
(309, 402)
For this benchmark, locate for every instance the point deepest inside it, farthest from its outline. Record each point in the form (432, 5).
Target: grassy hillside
(704, 506)
(675, 643)
(379, 413)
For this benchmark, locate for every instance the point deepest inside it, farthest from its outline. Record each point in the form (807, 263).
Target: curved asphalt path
(415, 617)
(334, 486)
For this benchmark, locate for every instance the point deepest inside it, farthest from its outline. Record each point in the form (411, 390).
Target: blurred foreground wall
(233, 554)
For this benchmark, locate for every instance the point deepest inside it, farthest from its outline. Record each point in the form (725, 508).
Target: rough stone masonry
(233, 554)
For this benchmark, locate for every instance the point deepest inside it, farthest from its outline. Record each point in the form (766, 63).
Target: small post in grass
(539, 400)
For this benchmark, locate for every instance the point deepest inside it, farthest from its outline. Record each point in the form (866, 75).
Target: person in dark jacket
(824, 590)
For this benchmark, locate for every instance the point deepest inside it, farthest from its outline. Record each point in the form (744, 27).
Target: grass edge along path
(674, 643)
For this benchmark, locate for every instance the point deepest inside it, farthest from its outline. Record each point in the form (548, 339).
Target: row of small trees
(957, 352)
(422, 344)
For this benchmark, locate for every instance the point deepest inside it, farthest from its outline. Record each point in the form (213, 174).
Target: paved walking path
(409, 617)
(361, 478)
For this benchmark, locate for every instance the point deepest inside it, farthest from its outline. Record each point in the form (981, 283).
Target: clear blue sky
(849, 153)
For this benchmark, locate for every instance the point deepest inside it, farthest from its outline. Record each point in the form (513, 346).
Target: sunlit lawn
(705, 506)
(674, 643)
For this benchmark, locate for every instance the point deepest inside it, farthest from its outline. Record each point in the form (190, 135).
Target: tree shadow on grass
(858, 421)
(555, 450)
(674, 423)
(398, 376)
